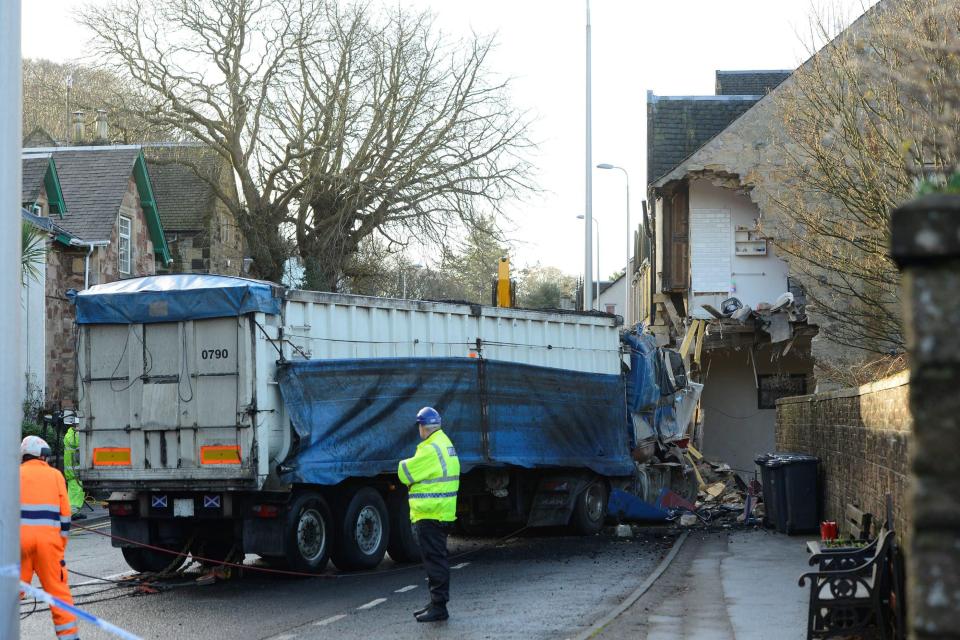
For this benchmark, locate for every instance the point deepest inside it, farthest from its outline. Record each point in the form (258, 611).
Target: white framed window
(124, 246)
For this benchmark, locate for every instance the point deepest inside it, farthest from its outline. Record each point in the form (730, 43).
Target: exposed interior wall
(735, 429)
(33, 333)
(861, 436)
(715, 214)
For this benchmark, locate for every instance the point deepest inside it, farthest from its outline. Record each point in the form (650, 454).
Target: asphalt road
(531, 586)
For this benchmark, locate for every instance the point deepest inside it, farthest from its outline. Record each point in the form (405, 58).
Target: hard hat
(34, 446)
(428, 417)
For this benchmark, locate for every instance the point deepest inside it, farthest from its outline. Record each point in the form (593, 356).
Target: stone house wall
(65, 270)
(861, 436)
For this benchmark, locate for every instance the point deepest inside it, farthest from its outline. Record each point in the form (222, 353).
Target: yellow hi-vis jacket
(433, 475)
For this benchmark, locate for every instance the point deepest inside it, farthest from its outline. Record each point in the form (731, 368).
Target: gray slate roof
(183, 199)
(749, 83)
(94, 181)
(678, 126)
(34, 171)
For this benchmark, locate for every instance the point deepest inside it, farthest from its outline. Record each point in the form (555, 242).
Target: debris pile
(724, 498)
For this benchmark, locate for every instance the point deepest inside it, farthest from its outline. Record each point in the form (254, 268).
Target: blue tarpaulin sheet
(644, 390)
(356, 417)
(172, 298)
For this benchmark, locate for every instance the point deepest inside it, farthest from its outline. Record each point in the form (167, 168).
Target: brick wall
(861, 437)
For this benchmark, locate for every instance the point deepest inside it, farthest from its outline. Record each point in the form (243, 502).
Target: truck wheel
(149, 561)
(307, 533)
(403, 545)
(363, 532)
(590, 509)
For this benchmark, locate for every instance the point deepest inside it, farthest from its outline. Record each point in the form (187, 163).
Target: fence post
(925, 243)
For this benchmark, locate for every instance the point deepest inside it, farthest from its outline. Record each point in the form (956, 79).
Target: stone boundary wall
(861, 436)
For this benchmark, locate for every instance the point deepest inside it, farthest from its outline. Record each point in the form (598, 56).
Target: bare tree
(862, 125)
(340, 123)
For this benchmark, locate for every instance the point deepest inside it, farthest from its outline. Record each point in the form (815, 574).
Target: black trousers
(432, 535)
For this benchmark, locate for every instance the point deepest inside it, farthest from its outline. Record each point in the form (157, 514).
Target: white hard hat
(34, 446)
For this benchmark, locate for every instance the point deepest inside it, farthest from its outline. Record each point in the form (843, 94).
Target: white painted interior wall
(752, 279)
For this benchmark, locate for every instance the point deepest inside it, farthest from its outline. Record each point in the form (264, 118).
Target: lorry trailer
(225, 415)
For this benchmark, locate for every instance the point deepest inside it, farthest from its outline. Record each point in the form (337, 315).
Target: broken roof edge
(687, 164)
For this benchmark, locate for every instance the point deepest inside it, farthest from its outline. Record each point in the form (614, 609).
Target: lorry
(229, 416)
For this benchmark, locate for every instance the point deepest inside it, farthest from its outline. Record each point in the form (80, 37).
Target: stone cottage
(108, 229)
(199, 228)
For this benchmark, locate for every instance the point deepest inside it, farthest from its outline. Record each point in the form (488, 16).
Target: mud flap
(554, 499)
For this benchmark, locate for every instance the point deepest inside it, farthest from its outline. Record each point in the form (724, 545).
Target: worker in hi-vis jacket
(433, 478)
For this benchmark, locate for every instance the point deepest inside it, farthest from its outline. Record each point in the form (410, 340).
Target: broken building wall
(735, 427)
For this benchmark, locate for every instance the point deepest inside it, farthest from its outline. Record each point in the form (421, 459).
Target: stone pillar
(926, 247)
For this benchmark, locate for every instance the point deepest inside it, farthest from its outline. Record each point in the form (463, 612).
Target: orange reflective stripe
(111, 457)
(220, 454)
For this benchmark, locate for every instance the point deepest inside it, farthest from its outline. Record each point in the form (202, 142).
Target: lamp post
(590, 304)
(588, 209)
(627, 276)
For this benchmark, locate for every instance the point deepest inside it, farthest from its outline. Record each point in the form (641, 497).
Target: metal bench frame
(836, 609)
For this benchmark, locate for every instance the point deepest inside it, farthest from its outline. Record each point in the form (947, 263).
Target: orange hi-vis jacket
(44, 527)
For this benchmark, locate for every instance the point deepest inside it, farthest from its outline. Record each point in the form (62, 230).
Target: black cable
(183, 366)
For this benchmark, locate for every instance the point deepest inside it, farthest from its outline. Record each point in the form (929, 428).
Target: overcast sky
(669, 47)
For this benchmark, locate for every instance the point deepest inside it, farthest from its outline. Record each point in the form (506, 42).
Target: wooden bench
(857, 523)
(851, 596)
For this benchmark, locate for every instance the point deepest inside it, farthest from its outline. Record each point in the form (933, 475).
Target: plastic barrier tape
(53, 601)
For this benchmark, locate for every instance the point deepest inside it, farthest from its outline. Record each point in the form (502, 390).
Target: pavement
(740, 584)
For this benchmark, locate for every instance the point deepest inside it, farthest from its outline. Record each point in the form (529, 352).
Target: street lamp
(627, 276)
(590, 304)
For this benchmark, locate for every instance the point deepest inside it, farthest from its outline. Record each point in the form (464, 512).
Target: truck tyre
(145, 560)
(307, 533)
(590, 509)
(362, 533)
(403, 546)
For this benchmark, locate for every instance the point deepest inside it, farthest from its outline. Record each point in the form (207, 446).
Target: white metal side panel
(324, 326)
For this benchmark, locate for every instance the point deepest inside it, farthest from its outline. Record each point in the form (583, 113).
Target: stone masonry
(926, 246)
(861, 436)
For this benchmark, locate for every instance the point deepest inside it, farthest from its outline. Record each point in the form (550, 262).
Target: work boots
(433, 613)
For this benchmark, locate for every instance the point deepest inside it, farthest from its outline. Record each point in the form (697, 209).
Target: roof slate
(749, 83)
(94, 181)
(676, 127)
(184, 200)
(34, 171)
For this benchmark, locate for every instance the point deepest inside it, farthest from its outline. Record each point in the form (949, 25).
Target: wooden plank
(688, 339)
(679, 264)
(700, 335)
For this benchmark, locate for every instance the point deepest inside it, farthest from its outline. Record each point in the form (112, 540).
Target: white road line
(330, 620)
(409, 587)
(115, 576)
(372, 604)
(286, 636)
(460, 566)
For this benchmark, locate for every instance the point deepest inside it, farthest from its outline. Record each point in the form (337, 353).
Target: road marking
(330, 620)
(115, 576)
(372, 604)
(286, 636)
(460, 566)
(409, 587)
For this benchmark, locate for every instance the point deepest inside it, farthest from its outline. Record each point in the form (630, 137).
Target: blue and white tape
(53, 601)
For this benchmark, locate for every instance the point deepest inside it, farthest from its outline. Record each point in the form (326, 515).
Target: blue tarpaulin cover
(172, 298)
(356, 417)
(644, 390)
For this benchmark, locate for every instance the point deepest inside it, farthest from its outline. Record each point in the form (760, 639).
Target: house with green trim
(106, 227)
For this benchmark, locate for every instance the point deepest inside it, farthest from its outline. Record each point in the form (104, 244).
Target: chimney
(102, 130)
(78, 127)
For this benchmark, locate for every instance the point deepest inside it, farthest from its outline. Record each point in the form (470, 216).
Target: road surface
(530, 586)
